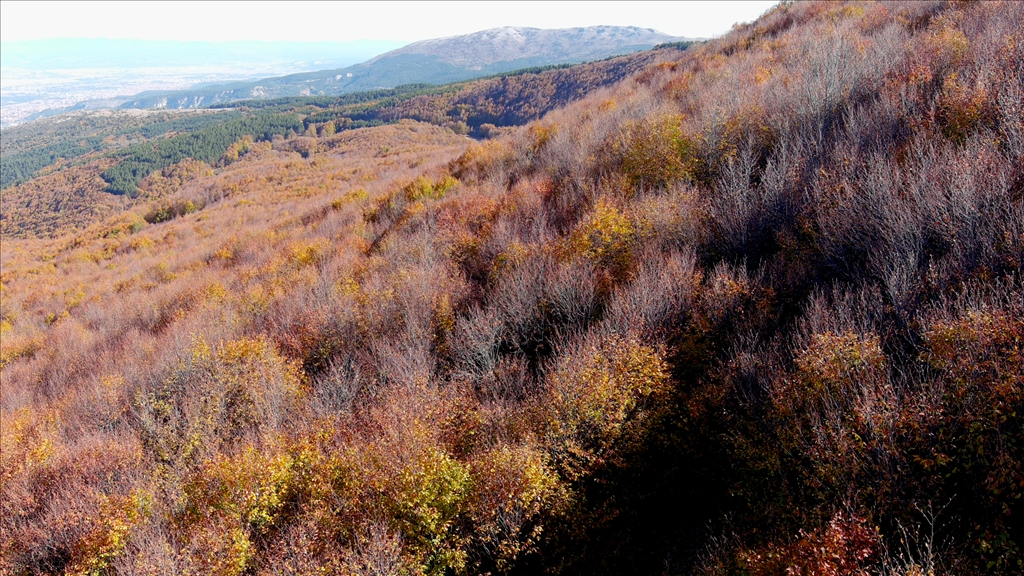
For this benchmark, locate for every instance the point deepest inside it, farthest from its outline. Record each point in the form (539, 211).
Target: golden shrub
(423, 494)
(606, 237)
(220, 548)
(429, 497)
(95, 553)
(592, 397)
(241, 389)
(426, 188)
(251, 487)
(512, 486)
(832, 361)
(27, 440)
(962, 109)
(980, 345)
(654, 152)
(14, 345)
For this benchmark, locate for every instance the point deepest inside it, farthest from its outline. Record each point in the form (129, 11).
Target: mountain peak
(510, 43)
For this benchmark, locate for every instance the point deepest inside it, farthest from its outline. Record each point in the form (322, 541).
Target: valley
(49, 79)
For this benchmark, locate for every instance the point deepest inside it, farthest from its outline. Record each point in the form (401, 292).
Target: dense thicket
(757, 310)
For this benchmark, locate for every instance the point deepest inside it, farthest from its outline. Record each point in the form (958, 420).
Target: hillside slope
(754, 311)
(49, 167)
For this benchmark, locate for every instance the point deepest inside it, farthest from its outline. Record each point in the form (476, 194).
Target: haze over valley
(49, 77)
(40, 75)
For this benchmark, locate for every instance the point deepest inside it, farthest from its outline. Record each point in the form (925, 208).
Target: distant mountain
(437, 61)
(514, 44)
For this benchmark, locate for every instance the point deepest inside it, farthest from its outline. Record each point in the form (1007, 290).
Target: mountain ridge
(434, 61)
(511, 43)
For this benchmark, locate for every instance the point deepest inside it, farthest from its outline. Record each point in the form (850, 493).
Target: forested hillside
(27, 150)
(49, 167)
(755, 309)
(505, 100)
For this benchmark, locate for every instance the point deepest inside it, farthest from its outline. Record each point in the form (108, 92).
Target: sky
(347, 21)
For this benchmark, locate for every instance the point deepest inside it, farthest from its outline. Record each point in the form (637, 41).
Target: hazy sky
(343, 21)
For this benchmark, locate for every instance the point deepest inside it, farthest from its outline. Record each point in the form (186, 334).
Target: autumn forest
(750, 306)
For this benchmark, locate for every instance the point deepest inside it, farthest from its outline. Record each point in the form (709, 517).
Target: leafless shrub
(150, 550)
(377, 552)
(403, 363)
(674, 219)
(922, 548)
(337, 388)
(745, 209)
(658, 296)
(540, 295)
(832, 74)
(512, 381)
(840, 311)
(476, 341)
